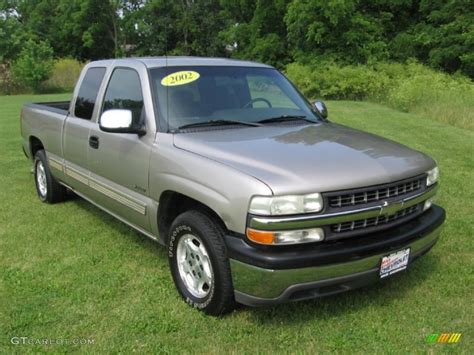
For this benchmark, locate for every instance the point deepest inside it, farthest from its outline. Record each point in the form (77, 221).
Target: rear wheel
(48, 188)
(199, 263)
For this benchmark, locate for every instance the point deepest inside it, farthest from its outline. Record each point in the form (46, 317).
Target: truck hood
(294, 159)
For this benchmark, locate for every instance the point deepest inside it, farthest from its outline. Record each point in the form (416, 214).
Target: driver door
(119, 162)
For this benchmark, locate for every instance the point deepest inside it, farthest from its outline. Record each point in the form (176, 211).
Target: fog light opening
(428, 204)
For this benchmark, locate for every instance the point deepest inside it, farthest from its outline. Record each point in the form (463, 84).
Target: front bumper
(269, 277)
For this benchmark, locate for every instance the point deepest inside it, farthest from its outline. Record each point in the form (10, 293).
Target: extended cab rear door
(119, 162)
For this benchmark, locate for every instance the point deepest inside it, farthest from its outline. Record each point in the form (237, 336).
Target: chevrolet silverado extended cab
(256, 195)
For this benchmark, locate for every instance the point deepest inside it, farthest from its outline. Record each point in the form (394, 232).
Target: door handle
(94, 142)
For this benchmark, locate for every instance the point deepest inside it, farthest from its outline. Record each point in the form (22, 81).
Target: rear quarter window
(88, 92)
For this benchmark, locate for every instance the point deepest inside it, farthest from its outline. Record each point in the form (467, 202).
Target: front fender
(223, 189)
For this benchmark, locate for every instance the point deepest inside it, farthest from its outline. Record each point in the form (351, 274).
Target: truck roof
(157, 62)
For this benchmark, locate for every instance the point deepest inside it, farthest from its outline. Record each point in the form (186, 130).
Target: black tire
(54, 192)
(220, 297)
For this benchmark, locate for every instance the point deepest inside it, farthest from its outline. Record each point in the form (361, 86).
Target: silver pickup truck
(256, 195)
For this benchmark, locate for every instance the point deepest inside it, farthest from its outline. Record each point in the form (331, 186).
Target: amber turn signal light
(261, 237)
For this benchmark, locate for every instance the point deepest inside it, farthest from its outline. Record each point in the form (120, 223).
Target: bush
(409, 87)
(64, 75)
(436, 95)
(330, 81)
(34, 64)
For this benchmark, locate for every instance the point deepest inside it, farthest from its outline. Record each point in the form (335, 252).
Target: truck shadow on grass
(121, 229)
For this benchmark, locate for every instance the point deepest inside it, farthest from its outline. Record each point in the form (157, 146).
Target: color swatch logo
(447, 338)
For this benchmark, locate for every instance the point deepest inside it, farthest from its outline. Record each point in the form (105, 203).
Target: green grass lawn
(71, 271)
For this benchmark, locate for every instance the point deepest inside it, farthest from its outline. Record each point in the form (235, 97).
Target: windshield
(189, 95)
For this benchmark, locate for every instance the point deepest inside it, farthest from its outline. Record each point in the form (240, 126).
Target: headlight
(433, 176)
(282, 205)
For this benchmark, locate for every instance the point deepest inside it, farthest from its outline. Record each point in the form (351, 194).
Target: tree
(12, 38)
(343, 30)
(184, 27)
(443, 38)
(84, 29)
(198, 25)
(435, 32)
(34, 64)
(148, 26)
(258, 30)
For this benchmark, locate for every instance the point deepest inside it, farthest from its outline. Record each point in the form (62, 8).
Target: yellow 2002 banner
(180, 78)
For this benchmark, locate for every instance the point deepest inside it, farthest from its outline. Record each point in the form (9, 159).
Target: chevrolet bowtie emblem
(390, 208)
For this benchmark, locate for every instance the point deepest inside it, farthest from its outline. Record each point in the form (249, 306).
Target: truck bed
(44, 121)
(55, 106)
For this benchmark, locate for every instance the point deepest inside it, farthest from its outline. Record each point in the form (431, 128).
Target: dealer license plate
(394, 262)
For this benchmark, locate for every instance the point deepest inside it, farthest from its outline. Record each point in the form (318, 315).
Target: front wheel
(199, 263)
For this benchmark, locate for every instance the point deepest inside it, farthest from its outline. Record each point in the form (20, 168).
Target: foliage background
(437, 33)
(387, 51)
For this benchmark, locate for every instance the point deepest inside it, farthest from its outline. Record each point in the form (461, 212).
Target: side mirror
(119, 121)
(321, 108)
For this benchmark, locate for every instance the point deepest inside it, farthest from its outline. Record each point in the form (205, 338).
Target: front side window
(88, 92)
(193, 94)
(125, 92)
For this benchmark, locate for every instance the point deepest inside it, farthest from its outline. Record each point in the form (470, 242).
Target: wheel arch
(35, 145)
(172, 204)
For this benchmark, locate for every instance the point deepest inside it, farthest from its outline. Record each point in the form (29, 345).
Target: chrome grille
(374, 221)
(374, 194)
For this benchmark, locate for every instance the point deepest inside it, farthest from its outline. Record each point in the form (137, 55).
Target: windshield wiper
(283, 118)
(218, 123)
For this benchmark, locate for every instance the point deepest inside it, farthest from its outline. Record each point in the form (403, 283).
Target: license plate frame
(393, 263)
